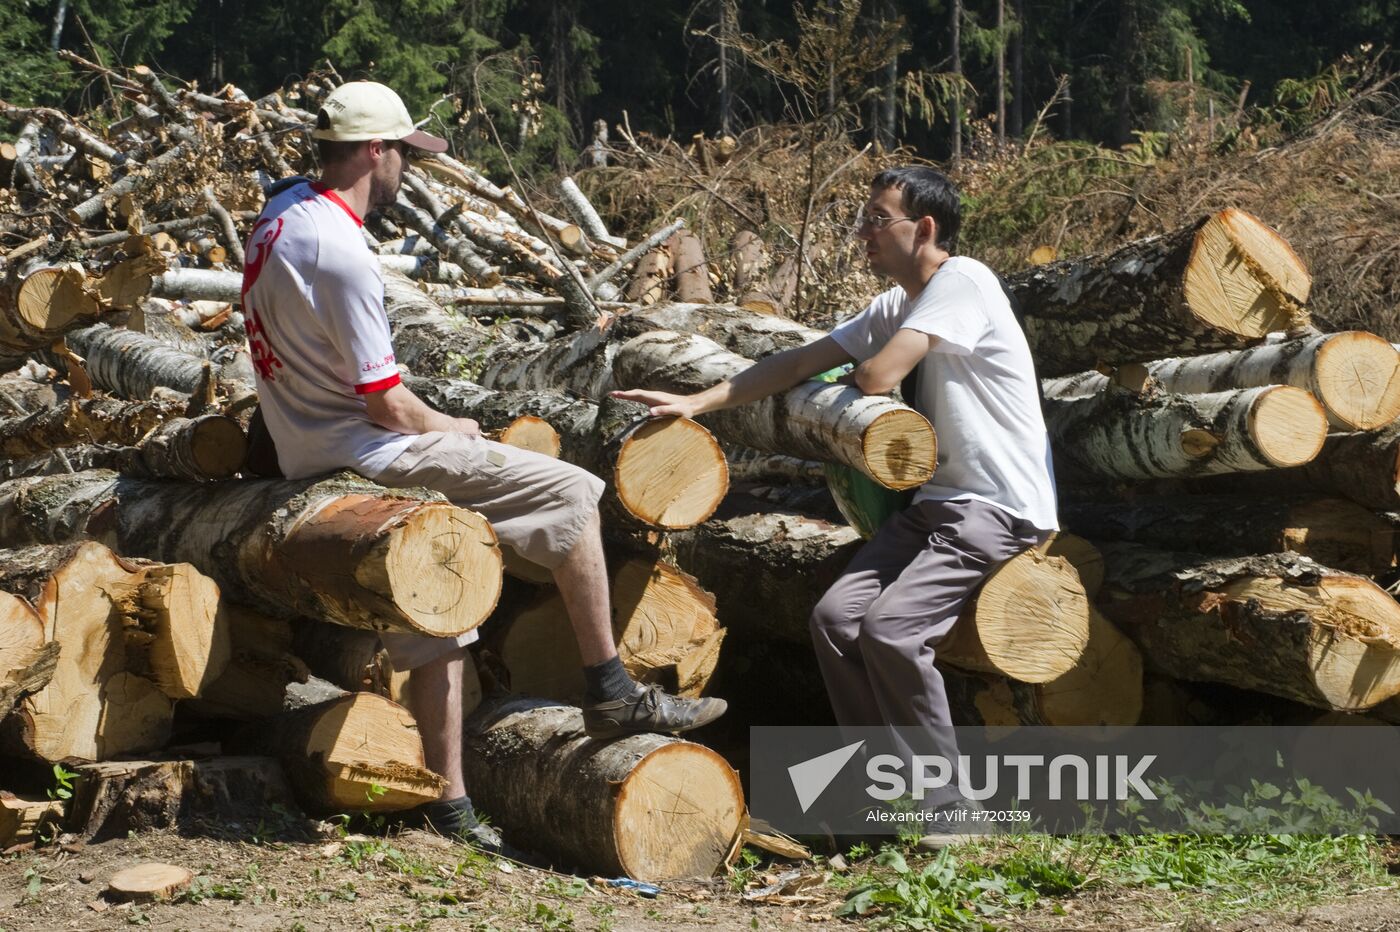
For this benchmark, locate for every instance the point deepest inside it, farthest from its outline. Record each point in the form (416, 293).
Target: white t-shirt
(313, 305)
(977, 386)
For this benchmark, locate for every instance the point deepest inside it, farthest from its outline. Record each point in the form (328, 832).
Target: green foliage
(62, 783)
(27, 70)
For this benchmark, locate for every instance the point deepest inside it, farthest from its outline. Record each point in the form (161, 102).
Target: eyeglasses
(865, 221)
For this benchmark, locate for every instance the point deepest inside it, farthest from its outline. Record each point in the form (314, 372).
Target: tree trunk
(352, 659)
(111, 620)
(196, 449)
(1118, 435)
(1355, 375)
(663, 622)
(692, 270)
(40, 305)
(1104, 687)
(1332, 531)
(650, 281)
(114, 798)
(338, 548)
(665, 472)
(261, 667)
(1018, 88)
(955, 14)
(646, 806)
(1001, 72)
(81, 420)
(1216, 284)
(747, 333)
(584, 212)
(1279, 623)
(357, 752)
(890, 443)
(750, 257)
(776, 295)
(132, 365)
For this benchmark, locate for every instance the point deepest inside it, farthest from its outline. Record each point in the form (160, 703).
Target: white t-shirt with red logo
(313, 305)
(977, 386)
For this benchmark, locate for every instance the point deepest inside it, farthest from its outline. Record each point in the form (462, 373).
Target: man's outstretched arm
(398, 409)
(768, 376)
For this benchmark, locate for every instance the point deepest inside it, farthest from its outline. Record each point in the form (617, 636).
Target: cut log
(27, 656)
(1334, 532)
(775, 295)
(337, 548)
(145, 883)
(750, 258)
(650, 281)
(1355, 375)
(1216, 284)
(747, 465)
(357, 752)
(528, 432)
(648, 807)
(352, 659)
(1362, 466)
(173, 632)
(665, 472)
(1280, 624)
(583, 211)
(43, 305)
(767, 571)
(890, 443)
(113, 798)
(1118, 435)
(20, 395)
(1082, 555)
(738, 330)
(261, 667)
(1105, 687)
(23, 820)
(132, 365)
(91, 708)
(692, 270)
(1029, 621)
(82, 420)
(663, 622)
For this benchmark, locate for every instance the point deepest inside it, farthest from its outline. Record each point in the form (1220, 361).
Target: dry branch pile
(124, 276)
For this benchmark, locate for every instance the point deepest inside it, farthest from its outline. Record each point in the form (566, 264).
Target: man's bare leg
(583, 584)
(435, 699)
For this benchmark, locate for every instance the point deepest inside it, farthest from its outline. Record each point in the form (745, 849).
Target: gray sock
(608, 680)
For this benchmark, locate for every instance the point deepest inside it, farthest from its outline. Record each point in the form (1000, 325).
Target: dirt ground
(417, 881)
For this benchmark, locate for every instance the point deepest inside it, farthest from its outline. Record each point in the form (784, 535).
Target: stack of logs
(1195, 421)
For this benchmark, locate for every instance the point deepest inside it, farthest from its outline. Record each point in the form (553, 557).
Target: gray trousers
(876, 628)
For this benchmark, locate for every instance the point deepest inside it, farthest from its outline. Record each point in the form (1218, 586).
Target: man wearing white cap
(331, 397)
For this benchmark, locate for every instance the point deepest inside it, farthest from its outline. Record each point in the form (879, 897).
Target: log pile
(1182, 381)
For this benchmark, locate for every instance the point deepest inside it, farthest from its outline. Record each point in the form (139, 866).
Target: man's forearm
(770, 375)
(399, 410)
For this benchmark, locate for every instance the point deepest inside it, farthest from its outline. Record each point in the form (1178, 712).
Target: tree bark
(747, 333)
(649, 282)
(207, 448)
(692, 269)
(1118, 435)
(646, 806)
(583, 211)
(39, 305)
(1334, 532)
(1280, 623)
(1216, 284)
(132, 365)
(82, 420)
(1355, 375)
(890, 443)
(338, 548)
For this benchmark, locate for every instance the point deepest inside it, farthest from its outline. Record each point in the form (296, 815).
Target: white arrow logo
(811, 777)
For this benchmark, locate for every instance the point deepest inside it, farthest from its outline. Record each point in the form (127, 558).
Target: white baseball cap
(362, 110)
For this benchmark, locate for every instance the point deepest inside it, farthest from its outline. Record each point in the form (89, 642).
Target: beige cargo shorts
(537, 505)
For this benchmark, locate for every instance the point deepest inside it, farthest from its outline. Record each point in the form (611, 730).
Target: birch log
(198, 449)
(1281, 624)
(1355, 375)
(692, 270)
(1118, 435)
(42, 304)
(82, 420)
(1219, 283)
(337, 548)
(646, 806)
(649, 282)
(736, 329)
(1334, 532)
(583, 211)
(890, 443)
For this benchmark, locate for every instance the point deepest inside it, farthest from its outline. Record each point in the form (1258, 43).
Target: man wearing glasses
(949, 320)
(330, 393)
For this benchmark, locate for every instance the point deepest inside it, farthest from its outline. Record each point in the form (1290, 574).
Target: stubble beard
(382, 192)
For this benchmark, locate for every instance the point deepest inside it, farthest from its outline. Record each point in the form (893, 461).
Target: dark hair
(331, 151)
(926, 193)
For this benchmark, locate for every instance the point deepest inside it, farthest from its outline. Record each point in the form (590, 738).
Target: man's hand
(465, 425)
(661, 403)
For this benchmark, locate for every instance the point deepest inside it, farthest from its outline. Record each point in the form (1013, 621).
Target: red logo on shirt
(265, 233)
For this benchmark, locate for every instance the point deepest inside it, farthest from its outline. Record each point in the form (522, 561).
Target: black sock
(608, 680)
(455, 814)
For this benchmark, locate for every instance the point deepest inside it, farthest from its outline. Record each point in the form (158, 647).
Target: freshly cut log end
(671, 473)
(1356, 376)
(1243, 277)
(218, 447)
(51, 301)
(179, 608)
(146, 882)
(136, 716)
(1030, 621)
(23, 820)
(1082, 555)
(444, 567)
(1104, 687)
(899, 447)
(389, 787)
(645, 806)
(532, 433)
(1288, 426)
